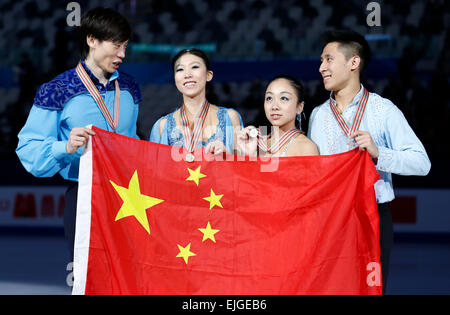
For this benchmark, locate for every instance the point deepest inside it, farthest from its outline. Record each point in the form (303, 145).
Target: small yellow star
(208, 233)
(134, 203)
(195, 175)
(185, 252)
(214, 200)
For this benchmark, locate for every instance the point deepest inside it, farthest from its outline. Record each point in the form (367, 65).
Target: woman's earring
(299, 119)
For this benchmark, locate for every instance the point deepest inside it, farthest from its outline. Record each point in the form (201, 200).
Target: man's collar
(94, 79)
(355, 100)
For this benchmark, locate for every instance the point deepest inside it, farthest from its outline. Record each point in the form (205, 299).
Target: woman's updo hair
(296, 84)
(195, 52)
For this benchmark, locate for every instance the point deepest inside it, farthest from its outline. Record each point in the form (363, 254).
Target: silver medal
(253, 133)
(190, 158)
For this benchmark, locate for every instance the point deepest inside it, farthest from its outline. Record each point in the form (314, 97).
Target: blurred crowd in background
(36, 44)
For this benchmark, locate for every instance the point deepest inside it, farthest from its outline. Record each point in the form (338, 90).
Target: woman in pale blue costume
(283, 106)
(217, 134)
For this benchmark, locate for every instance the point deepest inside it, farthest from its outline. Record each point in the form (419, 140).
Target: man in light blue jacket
(354, 117)
(94, 93)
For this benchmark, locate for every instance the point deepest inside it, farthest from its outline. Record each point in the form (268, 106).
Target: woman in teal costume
(217, 133)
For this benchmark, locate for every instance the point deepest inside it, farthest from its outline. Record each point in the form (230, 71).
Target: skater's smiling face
(336, 68)
(191, 75)
(344, 58)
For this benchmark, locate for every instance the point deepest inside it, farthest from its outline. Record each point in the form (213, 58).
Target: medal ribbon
(358, 116)
(98, 98)
(191, 140)
(277, 145)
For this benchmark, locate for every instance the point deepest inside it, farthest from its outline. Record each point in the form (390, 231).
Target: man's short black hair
(103, 24)
(351, 44)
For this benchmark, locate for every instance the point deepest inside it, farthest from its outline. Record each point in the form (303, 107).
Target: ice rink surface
(33, 264)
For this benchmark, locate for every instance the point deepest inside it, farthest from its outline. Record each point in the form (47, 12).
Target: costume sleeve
(310, 124)
(403, 154)
(137, 98)
(230, 130)
(313, 132)
(133, 127)
(155, 134)
(39, 149)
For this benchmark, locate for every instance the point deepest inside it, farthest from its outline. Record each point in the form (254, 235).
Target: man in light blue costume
(353, 117)
(95, 92)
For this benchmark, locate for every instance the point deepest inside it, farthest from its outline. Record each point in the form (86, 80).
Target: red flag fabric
(149, 222)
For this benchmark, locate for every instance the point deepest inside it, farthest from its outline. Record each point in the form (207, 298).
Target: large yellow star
(208, 233)
(195, 175)
(214, 200)
(134, 203)
(185, 252)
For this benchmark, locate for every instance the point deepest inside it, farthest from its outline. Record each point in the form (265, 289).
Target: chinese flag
(149, 222)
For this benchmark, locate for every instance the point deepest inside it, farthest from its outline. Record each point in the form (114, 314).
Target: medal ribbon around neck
(191, 140)
(277, 145)
(98, 98)
(358, 116)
